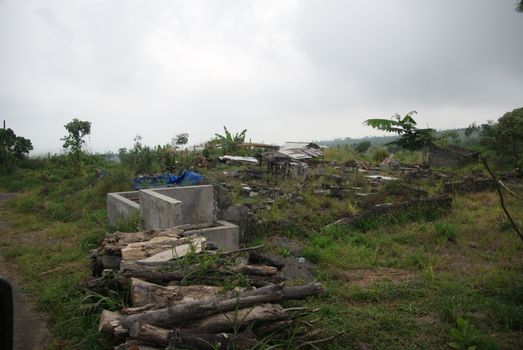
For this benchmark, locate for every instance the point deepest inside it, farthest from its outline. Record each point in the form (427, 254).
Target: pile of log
(185, 294)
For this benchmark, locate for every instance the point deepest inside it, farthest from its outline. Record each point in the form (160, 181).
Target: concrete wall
(225, 235)
(159, 211)
(120, 206)
(198, 202)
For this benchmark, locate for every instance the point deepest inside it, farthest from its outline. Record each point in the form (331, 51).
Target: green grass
(475, 277)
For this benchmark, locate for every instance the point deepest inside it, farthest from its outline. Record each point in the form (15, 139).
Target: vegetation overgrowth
(408, 281)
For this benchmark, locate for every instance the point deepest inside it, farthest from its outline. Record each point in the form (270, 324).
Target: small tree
(180, 139)
(12, 148)
(74, 140)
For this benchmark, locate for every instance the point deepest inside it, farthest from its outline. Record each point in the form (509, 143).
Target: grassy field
(413, 283)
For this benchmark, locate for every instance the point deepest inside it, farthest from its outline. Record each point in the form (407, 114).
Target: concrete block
(121, 205)
(198, 202)
(225, 235)
(158, 211)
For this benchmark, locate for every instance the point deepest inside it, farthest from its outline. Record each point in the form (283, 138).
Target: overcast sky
(283, 70)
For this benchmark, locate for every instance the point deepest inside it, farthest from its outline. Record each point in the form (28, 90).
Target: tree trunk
(257, 270)
(143, 293)
(187, 340)
(233, 321)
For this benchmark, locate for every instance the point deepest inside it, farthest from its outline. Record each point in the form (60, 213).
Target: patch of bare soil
(367, 277)
(30, 326)
(295, 268)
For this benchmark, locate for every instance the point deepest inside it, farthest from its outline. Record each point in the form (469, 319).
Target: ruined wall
(470, 185)
(120, 206)
(426, 207)
(159, 211)
(439, 157)
(198, 202)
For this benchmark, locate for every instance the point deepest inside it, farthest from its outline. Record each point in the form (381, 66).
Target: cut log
(152, 334)
(190, 311)
(262, 281)
(259, 258)
(239, 319)
(176, 252)
(151, 275)
(188, 340)
(136, 310)
(106, 319)
(304, 291)
(143, 293)
(257, 270)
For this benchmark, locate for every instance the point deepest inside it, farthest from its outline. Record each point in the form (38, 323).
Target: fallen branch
(501, 199)
(242, 250)
(319, 341)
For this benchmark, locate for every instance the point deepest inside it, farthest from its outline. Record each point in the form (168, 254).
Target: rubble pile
(185, 293)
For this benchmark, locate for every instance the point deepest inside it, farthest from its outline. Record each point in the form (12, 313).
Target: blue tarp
(187, 178)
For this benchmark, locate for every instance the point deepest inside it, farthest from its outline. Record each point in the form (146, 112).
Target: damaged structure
(163, 208)
(450, 156)
(293, 158)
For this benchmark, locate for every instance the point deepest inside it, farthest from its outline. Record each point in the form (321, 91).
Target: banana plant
(228, 142)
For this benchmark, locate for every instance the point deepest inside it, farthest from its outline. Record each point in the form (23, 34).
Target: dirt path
(30, 327)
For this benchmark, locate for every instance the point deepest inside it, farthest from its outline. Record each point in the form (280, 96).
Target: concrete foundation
(162, 208)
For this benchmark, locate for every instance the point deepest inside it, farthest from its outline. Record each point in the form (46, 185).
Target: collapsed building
(293, 158)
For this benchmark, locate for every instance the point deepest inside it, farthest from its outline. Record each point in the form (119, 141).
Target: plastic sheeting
(187, 178)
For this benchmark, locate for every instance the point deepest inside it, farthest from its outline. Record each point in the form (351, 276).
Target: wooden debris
(240, 319)
(168, 311)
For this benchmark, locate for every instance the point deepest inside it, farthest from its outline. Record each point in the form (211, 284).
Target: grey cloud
(282, 69)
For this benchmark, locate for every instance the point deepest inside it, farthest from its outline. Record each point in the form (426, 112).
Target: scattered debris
(381, 177)
(238, 160)
(424, 205)
(390, 164)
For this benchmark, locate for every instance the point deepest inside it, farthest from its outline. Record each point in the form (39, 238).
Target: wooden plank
(176, 252)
